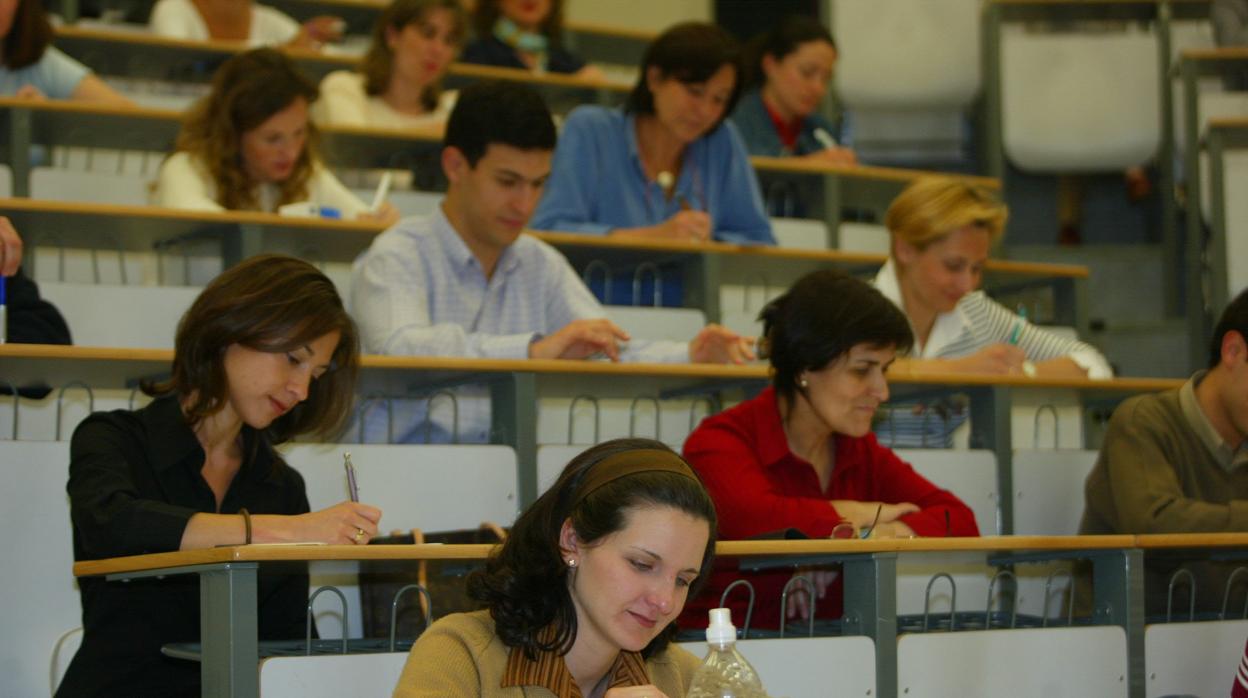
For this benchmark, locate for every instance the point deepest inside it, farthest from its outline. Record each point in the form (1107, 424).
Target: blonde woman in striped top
(942, 230)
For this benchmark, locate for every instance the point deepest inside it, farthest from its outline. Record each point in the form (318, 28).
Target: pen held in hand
(353, 488)
(383, 190)
(4, 310)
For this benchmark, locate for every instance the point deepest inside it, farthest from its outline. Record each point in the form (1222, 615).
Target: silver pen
(353, 487)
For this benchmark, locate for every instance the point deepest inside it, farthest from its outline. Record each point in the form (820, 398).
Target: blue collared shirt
(597, 182)
(419, 291)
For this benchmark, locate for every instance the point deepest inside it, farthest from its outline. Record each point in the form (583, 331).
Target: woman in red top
(801, 454)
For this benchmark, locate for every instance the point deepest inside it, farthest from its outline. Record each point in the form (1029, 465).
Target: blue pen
(4, 310)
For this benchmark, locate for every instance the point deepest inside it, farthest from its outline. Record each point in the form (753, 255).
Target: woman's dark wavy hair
(487, 12)
(524, 584)
(378, 63)
(29, 35)
(690, 52)
(820, 318)
(793, 31)
(270, 303)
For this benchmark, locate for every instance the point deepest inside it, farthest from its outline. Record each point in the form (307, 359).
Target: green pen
(1018, 329)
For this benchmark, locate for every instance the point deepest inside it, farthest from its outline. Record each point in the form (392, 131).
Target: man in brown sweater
(1174, 462)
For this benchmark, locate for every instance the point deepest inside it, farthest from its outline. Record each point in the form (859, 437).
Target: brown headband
(625, 463)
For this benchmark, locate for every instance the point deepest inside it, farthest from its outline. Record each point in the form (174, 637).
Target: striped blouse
(975, 323)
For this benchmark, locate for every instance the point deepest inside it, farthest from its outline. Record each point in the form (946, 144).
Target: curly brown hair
(271, 303)
(247, 90)
(378, 63)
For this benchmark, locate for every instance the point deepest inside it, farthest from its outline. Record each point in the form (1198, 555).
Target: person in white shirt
(466, 282)
(249, 146)
(942, 229)
(399, 82)
(240, 20)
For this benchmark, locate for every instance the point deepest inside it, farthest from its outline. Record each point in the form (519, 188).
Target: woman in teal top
(791, 69)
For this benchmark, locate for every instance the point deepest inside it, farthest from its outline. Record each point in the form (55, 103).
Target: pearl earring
(802, 382)
(571, 562)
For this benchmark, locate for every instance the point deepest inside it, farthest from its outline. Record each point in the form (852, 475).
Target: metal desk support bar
(20, 129)
(514, 419)
(228, 628)
(871, 610)
(1118, 598)
(990, 429)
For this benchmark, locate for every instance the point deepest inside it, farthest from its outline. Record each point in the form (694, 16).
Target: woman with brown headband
(584, 592)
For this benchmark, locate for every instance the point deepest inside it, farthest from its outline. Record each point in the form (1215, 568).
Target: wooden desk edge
(1220, 53)
(1192, 540)
(892, 174)
(757, 371)
(311, 553)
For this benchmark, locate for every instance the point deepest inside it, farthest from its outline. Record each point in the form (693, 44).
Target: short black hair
(791, 32)
(820, 318)
(1233, 319)
(690, 52)
(497, 111)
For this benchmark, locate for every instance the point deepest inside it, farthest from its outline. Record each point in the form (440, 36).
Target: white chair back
(1048, 491)
(43, 599)
(809, 667)
(1198, 659)
(1034, 663)
(800, 233)
(331, 676)
(673, 324)
(109, 315)
(907, 54)
(1079, 102)
(99, 186)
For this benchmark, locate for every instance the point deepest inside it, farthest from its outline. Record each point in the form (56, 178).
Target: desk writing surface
(280, 553)
(1221, 53)
(1153, 541)
(123, 47)
(889, 174)
(288, 553)
(1229, 122)
(752, 548)
(147, 361)
(998, 266)
(144, 228)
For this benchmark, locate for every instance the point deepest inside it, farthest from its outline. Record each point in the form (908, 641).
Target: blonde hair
(933, 207)
(246, 90)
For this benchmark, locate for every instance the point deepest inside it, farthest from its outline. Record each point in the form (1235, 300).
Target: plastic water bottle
(724, 673)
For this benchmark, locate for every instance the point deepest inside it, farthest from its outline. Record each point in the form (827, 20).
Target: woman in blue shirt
(33, 69)
(666, 165)
(791, 69)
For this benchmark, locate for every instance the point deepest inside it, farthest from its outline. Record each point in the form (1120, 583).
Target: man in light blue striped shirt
(465, 282)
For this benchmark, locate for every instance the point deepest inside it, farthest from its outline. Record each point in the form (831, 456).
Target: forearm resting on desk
(337, 525)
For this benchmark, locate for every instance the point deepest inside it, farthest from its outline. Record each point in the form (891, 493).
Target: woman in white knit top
(249, 146)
